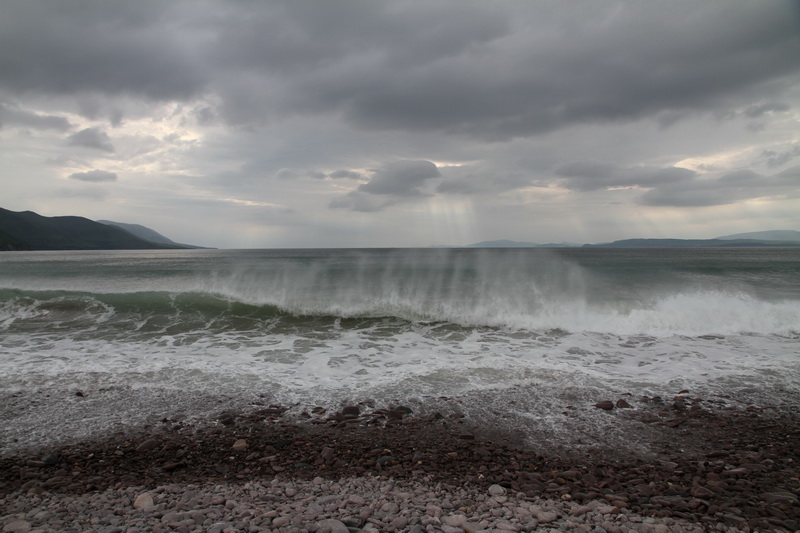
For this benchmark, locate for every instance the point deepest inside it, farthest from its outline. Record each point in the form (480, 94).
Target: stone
(331, 525)
(606, 405)
(702, 492)
(398, 524)
(546, 517)
(356, 499)
(456, 520)
(622, 404)
(351, 410)
(144, 502)
(282, 521)
(51, 459)
(17, 526)
(496, 490)
(239, 445)
(148, 445)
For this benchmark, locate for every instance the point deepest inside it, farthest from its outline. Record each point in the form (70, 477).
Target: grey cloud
(92, 138)
(401, 178)
(727, 189)
(621, 68)
(778, 159)
(765, 108)
(349, 174)
(390, 184)
(490, 71)
(597, 175)
(12, 113)
(94, 176)
(95, 46)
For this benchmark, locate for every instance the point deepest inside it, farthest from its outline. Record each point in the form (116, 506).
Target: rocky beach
(706, 465)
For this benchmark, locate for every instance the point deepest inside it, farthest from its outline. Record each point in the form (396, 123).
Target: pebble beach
(360, 468)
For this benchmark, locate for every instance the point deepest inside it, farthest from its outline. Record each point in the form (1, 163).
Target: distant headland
(27, 230)
(738, 240)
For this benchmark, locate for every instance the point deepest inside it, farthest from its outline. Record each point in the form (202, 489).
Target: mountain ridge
(26, 230)
(751, 239)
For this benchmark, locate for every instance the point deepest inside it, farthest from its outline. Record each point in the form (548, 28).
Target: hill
(692, 243)
(27, 230)
(146, 233)
(782, 235)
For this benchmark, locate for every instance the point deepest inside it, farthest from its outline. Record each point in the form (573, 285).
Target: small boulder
(606, 405)
(239, 446)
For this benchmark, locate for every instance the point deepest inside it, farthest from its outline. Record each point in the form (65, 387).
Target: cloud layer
(296, 120)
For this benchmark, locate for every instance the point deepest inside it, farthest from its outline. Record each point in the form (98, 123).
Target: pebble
(365, 504)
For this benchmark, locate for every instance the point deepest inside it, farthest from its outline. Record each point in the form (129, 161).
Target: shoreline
(736, 466)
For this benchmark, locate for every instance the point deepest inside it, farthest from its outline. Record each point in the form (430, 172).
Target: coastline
(738, 466)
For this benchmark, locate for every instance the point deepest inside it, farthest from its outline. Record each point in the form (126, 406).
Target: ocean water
(521, 331)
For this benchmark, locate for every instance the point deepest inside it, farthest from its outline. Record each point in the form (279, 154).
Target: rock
(330, 525)
(606, 405)
(282, 521)
(398, 524)
(144, 502)
(356, 499)
(239, 445)
(51, 459)
(497, 490)
(779, 497)
(351, 410)
(456, 520)
(546, 517)
(327, 453)
(17, 526)
(171, 467)
(148, 445)
(702, 492)
(622, 404)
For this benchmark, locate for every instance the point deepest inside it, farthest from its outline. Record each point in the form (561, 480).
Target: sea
(93, 342)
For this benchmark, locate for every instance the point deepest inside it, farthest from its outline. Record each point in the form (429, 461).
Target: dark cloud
(392, 183)
(491, 71)
(116, 48)
(765, 108)
(596, 175)
(621, 67)
(778, 159)
(401, 178)
(91, 138)
(349, 174)
(727, 189)
(12, 113)
(95, 176)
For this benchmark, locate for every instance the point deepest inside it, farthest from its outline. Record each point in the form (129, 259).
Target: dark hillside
(27, 230)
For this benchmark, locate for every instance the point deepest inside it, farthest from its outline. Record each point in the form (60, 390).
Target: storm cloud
(383, 120)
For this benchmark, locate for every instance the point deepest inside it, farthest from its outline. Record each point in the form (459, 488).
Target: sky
(363, 123)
